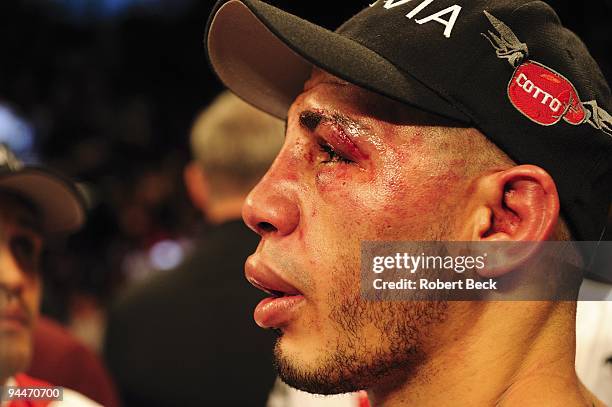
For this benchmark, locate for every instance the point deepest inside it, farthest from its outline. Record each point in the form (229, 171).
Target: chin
(307, 367)
(15, 355)
(339, 360)
(307, 376)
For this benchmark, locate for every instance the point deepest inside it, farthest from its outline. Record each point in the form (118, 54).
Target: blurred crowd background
(106, 91)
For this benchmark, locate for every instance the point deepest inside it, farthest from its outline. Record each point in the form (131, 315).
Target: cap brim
(264, 55)
(61, 204)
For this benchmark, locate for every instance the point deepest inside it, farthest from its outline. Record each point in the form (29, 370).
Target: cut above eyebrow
(310, 120)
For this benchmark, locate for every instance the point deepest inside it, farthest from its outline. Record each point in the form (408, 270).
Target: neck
(510, 354)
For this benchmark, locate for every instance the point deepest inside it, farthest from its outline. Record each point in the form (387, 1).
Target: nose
(271, 208)
(12, 278)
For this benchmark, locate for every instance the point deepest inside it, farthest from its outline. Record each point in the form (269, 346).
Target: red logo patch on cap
(545, 96)
(538, 92)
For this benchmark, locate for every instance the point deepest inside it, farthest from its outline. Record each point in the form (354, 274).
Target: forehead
(318, 76)
(17, 211)
(347, 96)
(330, 91)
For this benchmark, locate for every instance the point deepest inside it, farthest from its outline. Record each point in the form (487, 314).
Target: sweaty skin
(355, 167)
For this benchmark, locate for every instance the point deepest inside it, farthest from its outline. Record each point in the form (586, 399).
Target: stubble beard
(391, 351)
(354, 360)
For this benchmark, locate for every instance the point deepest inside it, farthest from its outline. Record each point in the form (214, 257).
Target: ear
(197, 185)
(519, 204)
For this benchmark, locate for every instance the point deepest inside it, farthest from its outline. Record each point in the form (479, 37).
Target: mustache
(21, 309)
(284, 263)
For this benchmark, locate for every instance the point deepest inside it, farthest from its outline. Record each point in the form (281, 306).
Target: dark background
(110, 89)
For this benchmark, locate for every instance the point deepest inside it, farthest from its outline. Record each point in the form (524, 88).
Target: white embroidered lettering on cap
(454, 12)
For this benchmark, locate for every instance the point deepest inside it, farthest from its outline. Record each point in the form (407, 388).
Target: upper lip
(264, 278)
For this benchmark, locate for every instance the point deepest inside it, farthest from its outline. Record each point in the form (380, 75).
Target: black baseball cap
(506, 67)
(59, 202)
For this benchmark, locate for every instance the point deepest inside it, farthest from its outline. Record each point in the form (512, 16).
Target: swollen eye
(332, 154)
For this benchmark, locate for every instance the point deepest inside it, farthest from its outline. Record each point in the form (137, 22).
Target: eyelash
(334, 156)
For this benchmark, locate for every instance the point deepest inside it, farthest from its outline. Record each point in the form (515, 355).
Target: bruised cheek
(342, 192)
(332, 179)
(360, 206)
(403, 199)
(363, 189)
(418, 201)
(398, 195)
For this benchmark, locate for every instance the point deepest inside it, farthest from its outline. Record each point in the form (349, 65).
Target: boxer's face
(354, 167)
(20, 250)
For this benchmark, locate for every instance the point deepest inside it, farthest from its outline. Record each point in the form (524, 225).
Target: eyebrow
(310, 120)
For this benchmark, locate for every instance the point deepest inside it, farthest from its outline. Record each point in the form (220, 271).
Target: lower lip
(276, 312)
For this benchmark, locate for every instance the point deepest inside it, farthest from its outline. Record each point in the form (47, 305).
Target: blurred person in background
(33, 204)
(186, 337)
